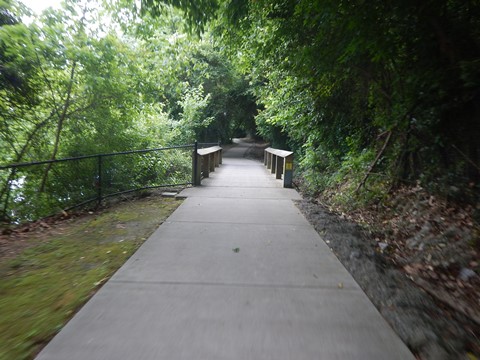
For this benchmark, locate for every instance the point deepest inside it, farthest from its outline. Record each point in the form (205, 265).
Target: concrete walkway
(236, 272)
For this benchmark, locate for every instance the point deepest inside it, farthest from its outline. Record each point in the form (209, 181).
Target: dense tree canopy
(370, 95)
(355, 85)
(79, 81)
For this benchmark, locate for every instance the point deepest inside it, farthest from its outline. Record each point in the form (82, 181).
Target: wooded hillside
(382, 92)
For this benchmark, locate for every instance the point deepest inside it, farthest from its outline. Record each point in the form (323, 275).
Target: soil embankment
(425, 320)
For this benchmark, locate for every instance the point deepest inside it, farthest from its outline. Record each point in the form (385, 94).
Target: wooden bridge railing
(204, 161)
(280, 162)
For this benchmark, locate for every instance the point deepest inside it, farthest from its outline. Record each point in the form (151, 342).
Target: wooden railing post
(197, 166)
(211, 162)
(279, 167)
(206, 166)
(288, 172)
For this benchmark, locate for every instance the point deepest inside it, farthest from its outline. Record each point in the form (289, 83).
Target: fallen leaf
(412, 269)
(100, 282)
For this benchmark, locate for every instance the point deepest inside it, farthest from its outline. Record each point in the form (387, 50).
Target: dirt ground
(429, 326)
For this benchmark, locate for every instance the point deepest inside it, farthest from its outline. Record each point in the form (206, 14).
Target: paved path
(236, 273)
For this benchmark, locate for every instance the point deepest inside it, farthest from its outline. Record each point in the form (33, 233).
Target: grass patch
(42, 287)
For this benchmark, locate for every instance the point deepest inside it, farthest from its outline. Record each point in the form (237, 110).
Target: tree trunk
(61, 121)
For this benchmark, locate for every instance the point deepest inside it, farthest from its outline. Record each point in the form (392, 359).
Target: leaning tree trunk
(61, 121)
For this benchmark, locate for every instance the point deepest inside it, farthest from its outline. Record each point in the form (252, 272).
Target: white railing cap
(208, 150)
(278, 152)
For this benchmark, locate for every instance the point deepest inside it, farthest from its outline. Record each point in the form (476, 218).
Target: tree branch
(372, 165)
(470, 161)
(61, 121)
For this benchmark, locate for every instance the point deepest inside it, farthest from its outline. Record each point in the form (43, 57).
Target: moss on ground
(42, 287)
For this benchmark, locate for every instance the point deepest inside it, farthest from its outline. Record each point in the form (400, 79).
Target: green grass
(43, 286)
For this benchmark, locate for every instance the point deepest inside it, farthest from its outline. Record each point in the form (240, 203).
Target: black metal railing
(37, 189)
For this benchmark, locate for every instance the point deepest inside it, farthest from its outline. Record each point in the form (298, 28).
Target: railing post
(288, 171)
(211, 162)
(205, 165)
(99, 180)
(279, 167)
(273, 164)
(197, 173)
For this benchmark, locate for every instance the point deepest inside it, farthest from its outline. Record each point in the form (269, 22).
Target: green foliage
(73, 86)
(76, 87)
(197, 13)
(331, 74)
(330, 78)
(192, 118)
